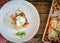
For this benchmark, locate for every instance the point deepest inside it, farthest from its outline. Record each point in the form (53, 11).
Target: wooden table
(43, 9)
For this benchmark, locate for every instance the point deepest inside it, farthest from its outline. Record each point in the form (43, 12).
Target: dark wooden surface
(43, 9)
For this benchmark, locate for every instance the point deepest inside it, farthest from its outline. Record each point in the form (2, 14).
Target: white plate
(6, 28)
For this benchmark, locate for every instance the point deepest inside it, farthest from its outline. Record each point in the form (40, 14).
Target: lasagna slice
(19, 20)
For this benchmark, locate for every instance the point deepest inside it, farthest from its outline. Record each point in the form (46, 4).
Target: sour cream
(20, 20)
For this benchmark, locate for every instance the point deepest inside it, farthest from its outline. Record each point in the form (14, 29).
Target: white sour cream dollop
(20, 20)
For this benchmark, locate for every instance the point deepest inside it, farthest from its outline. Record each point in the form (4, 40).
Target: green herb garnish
(18, 9)
(20, 34)
(21, 23)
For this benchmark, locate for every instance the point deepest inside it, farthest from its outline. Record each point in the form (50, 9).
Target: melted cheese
(52, 35)
(56, 24)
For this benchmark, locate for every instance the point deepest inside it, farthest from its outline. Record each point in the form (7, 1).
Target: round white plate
(7, 29)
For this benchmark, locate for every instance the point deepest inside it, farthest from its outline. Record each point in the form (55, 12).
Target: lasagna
(19, 20)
